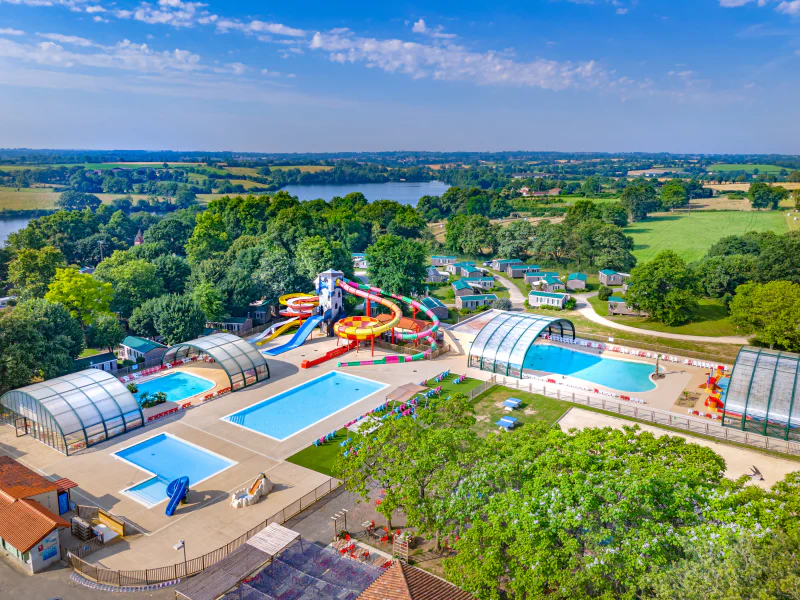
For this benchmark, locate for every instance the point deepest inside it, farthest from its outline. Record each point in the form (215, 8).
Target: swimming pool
(177, 386)
(294, 410)
(164, 458)
(622, 375)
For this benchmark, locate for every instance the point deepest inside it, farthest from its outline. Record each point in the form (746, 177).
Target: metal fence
(195, 565)
(137, 368)
(654, 415)
(619, 341)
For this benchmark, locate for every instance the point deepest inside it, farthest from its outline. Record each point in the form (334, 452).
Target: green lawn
(89, 352)
(691, 235)
(322, 458)
(709, 319)
(727, 167)
(535, 408)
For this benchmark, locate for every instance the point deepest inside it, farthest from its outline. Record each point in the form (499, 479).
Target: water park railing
(442, 349)
(139, 367)
(178, 571)
(656, 416)
(621, 341)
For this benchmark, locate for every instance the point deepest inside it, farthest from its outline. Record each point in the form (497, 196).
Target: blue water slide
(298, 338)
(176, 490)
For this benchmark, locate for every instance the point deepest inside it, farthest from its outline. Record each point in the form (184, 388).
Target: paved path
(587, 310)
(517, 299)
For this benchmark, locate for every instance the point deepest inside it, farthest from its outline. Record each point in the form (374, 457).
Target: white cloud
(451, 62)
(95, 9)
(125, 55)
(99, 19)
(236, 68)
(622, 11)
(269, 73)
(175, 13)
(67, 39)
(789, 8)
(786, 7)
(435, 32)
(9, 31)
(225, 25)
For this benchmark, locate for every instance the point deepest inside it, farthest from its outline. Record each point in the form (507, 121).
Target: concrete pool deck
(209, 522)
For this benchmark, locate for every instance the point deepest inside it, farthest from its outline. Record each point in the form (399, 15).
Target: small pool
(622, 375)
(165, 458)
(294, 410)
(177, 386)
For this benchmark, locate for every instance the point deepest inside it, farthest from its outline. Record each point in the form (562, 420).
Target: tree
(639, 199)
(106, 332)
(74, 200)
(38, 340)
(502, 304)
(613, 213)
(396, 265)
(173, 232)
(751, 565)
(210, 300)
(316, 254)
(779, 259)
(550, 514)
(769, 311)
(31, 271)
(720, 275)
(674, 194)
(173, 272)
(794, 177)
(121, 227)
(763, 195)
(134, 281)
(591, 186)
(175, 318)
(551, 242)
(665, 288)
(83, 296)
(277, 274)
(209, 237)
(471, 235)
(514, 241)
(604, 293)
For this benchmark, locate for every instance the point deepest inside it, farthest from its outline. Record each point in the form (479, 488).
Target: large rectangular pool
(177, 386)
(294, 410)
(164, 458)
(621, 375)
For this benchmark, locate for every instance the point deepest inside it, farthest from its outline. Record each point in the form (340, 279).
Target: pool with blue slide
(165, 458)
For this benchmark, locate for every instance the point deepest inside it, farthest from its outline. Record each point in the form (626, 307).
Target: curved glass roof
(83, 407)
(504, 341)
(762, 393)
(241, 361)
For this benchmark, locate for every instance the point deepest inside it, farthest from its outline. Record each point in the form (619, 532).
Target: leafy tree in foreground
(770, 311)
(134, 281)
(665, 288)
(779, 259)
(763, 195)
(316, 254)
(83, 296)
(38, 340)
(396, 265)
(31, 271)
(720, 275)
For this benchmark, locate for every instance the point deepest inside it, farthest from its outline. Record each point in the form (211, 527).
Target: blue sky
(580, 75)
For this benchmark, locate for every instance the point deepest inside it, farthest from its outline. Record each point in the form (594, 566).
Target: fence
(137, 368)
(483, 387)
(657, 416)
(441, 349)
(194, 566)
(618, 341)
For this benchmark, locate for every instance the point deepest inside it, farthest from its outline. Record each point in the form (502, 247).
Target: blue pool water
(177, 386)
(168, 457)
(622, 375)
(292, 411)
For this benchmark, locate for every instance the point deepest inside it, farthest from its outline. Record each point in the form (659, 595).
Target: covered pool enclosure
(762, 393)
(241, 361)
(72, 412)
(502, 344)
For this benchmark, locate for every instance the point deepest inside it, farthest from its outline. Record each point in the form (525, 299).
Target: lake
(404, 192)
(10, 226)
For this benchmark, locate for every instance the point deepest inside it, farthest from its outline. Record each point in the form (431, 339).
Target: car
(487, 263)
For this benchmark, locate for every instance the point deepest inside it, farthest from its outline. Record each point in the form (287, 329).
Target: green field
(27, 198)
(690, 236)
(303, 168)
(726, 167)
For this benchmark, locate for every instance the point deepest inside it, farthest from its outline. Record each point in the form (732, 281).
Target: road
(587, 310)
(517, 299)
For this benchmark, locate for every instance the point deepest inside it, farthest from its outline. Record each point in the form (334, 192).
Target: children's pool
(177, 386)
(296, 409)
(165, 458)
(622, 375)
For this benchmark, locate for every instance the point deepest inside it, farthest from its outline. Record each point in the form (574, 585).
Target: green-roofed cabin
(436, 306)
(134, 347)
(576, 281)
(107, 361)
(472, 302)
(537, 298)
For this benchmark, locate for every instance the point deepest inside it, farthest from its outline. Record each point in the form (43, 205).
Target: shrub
(570, 304)
(604, 293)
(133, 388)
(502, 304)
(148, 401)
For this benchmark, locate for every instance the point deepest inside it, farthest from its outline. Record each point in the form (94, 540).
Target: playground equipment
(298, 305)
(250, 495)
(177, 490)
(367, 328)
